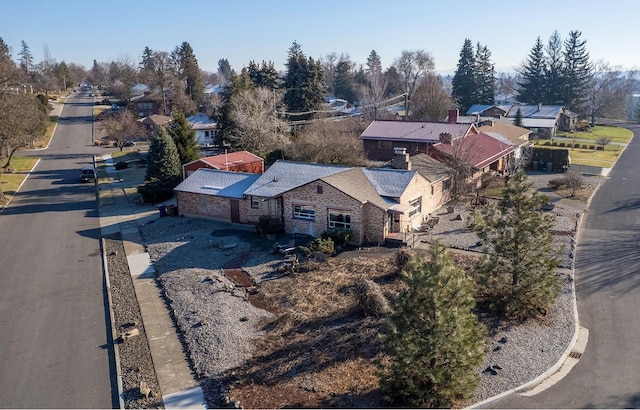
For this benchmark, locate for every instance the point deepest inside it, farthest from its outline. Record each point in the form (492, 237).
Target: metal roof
(389, 182)
(219, 183)
(413, 131)
(284, 176)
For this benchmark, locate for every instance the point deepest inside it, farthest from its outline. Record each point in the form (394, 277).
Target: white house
(206, 129)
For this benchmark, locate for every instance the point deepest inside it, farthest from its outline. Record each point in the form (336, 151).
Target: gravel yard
(197, 262)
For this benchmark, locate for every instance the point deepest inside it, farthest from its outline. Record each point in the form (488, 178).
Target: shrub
(547, 143)
(325, 246)
(585, 146)
(268, 225)
(121, 165)
(370, 298)
(554, 143)
(557, 182)
(562, 144)
(592, 147)
(402, 258)
(156, 191)
(600, 148)
(339, 236)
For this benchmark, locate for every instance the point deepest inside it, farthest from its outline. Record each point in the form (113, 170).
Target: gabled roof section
(201, 121)
(222, 161)
(354, 183)
(284, 176)
(513, 133)
(414, 131)
(389, 182)
(535, 111)
(478, 150)
(156, 119)
(480, 109)
(430, 168)
(219, 183)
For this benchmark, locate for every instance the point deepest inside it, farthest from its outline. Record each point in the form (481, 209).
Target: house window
(385, 144)
(339, 219)
(255, 204)
(416, 206)
(304, 212)
(202, 199)
(319, 189)
(446, 185)
(145, 106)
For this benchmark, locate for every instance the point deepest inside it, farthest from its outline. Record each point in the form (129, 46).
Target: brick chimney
(401, 159)
(453, 116)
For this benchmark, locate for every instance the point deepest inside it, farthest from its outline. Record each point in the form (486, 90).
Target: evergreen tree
(518, 120)
(553, 71)
(163, 161)
(26, 58)
(344, 83)
(264, 75)
(184, 137)
(225, 123)
(303, 83)
(577, 73)
(532, 85)
(224, 70)
(374, 63)
(191, 73)
(64, 76)
(485, 76)
(464, 85)
(434, 340)
(517, 273)
(147, 66)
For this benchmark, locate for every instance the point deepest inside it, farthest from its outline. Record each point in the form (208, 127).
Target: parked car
(87, 174)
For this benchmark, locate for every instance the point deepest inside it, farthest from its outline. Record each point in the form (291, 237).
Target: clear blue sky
(241, 31)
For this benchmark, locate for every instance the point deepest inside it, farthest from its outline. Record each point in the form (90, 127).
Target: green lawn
(11, 181)
(617, 134)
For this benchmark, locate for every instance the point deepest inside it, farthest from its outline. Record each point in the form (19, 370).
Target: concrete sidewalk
(178, 384)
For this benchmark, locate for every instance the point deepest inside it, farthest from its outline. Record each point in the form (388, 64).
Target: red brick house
(374, 203)
(241, 161)
(382, 136)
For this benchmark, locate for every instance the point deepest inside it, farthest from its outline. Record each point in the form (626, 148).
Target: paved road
(54, 346)
(608, 291)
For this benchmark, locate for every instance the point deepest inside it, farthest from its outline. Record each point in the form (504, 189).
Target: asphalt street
(55, 350)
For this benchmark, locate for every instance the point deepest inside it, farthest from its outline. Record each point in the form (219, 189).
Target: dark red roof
(477, 150)
(231, 159)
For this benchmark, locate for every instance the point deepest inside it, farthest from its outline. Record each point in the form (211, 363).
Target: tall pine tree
(517, 273)
(184, 137)
(191, 73)
(464, 85)
(434, 340)
(303, 83)
(485, 76)
(163, 161)
(532, 85)
(577, 73)
(553, 71)
(344, 83)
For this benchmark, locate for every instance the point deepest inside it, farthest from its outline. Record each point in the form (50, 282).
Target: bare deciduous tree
(603, 141)
(258, 130)
(411, 66)
(120, 127)
(431, 102)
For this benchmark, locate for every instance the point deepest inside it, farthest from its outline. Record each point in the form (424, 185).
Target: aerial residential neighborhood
(255, 205)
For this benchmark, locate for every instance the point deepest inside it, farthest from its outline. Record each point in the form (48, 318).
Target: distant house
(147, 104)
(206, 129)
(494, 111)
(374, 203)
(381, 136)
(481, 153)
(241, 161)
(152, 122)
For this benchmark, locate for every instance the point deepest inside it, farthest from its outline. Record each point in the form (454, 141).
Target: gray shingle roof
(215, 182)
(284, 176)
(389, 182)
(412, 131)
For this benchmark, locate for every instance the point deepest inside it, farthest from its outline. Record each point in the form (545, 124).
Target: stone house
(374, 203)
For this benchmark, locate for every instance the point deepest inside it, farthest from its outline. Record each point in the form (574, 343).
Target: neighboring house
(480, 153)
(241, 161)
(154, 121)
(544, 121)
(381, 137)
(206, 129)
(147, 104)
(494, 111)
(375, 204)
(512, 134)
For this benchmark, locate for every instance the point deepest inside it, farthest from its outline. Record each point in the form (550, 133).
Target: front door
(235, 210)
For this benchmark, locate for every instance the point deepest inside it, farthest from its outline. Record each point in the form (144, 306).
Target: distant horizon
(254, 30)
